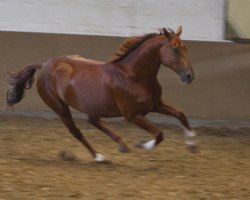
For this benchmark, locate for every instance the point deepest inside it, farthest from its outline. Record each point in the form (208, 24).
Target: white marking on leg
(190, 143)
(99, 157)
(190, 136)
(149, 145)
(189, 133)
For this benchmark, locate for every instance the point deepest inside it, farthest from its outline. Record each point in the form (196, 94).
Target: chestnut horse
(125, 86)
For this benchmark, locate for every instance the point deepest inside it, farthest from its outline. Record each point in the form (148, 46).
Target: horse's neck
(144, 62)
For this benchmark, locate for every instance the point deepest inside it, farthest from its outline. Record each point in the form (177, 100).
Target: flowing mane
(131, 44)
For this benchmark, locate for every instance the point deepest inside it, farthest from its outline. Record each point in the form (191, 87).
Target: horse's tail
(19, 82)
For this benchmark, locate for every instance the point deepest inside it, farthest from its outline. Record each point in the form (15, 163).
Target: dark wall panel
(220, 90)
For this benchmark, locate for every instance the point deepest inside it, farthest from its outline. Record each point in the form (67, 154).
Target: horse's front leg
(145, 124)
(188, 131)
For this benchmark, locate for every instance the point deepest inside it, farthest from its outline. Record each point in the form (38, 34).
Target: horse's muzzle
(187, 77)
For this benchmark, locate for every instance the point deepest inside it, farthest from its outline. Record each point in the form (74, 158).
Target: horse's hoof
(123, 148)
(146, 145)
(99, 158)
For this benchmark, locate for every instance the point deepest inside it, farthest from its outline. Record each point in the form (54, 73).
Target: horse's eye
(176, 50)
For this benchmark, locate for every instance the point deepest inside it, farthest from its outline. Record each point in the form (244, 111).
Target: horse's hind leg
(63, 111)
(97, 123)
(67, 119)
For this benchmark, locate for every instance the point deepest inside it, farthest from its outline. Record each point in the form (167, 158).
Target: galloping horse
(125, 86)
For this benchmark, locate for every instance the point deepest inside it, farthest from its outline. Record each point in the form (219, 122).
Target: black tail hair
(19, 82)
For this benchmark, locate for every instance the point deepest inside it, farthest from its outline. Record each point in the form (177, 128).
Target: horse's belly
(99, 110)
(144, 107)
(95, 104)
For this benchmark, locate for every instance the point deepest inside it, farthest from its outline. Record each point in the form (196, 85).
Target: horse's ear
(179, 31)
(167, 34)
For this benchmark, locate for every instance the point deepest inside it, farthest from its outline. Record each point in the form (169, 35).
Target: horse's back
(71, 69)
(68, 66)
(73, 60)
(82, 60)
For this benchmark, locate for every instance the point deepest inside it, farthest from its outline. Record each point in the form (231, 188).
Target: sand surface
(31, 166)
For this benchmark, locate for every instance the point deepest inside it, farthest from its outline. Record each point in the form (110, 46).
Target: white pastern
(149, 145)
(99, 157)
(190, 143)
(189, 133)
(190, 137)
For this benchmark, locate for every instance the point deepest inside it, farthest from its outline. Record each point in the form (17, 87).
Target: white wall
(201, 19)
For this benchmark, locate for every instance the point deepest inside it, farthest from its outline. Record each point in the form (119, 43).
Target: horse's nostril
(189, 77)
(186, 77)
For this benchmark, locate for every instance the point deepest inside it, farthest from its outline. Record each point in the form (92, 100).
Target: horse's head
(173, 54)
